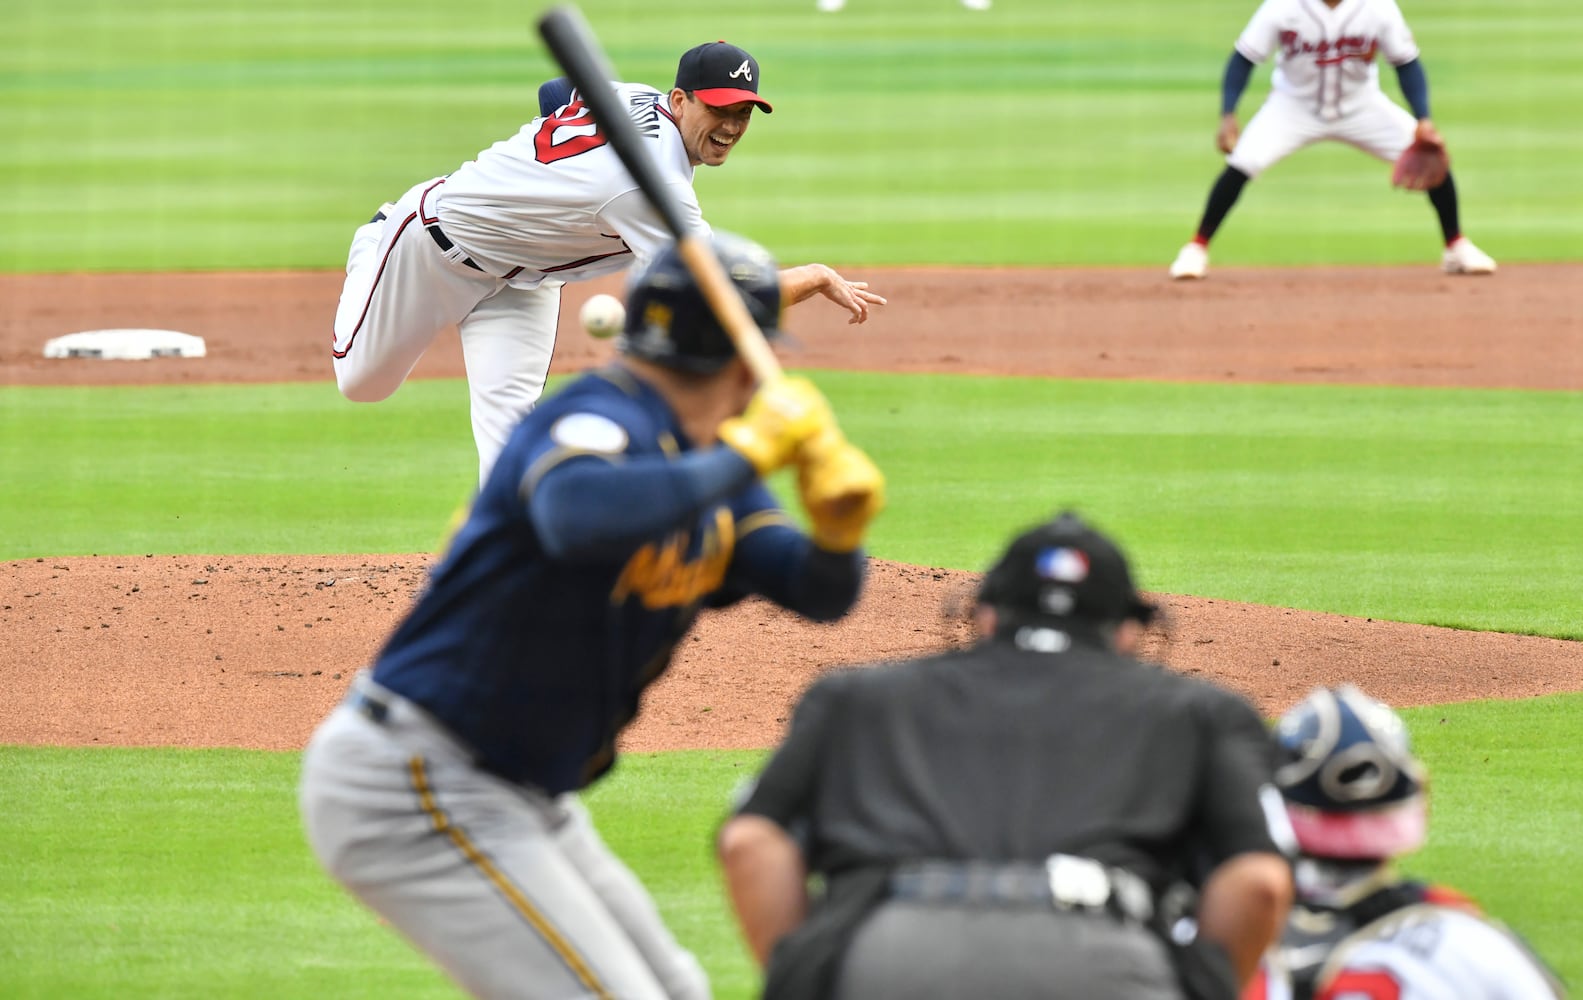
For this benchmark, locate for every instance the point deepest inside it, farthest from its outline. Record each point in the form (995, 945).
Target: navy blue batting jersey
(587, 555)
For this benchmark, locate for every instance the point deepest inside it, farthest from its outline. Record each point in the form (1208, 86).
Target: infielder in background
(1359, 931)
(488, 247)
(1002, 822)
(444, 792)
(1326, 86)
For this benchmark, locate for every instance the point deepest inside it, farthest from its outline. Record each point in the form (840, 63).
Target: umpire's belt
(1064, 881)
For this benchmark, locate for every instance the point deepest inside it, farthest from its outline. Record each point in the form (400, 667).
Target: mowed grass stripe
(190, 900)
(195, 137)
(1436, 506)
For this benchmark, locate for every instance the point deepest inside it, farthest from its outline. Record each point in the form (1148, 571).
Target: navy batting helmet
(669, 321)
(1352, 786)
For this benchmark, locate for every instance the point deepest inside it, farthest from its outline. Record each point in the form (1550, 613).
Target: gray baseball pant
(511, 891)
(910, 950)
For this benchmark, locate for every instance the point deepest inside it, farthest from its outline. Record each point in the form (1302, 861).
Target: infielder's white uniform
(1326, 83)
(549, 205)
(1421, 952)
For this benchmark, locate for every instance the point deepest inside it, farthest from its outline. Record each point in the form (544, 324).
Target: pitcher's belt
(444, 242)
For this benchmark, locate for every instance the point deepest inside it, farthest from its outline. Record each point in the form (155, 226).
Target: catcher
(1355, 795)
(1326, 86)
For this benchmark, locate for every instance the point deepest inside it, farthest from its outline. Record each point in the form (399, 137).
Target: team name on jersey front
(1329, 53)
(1327, 56)
(662, 575)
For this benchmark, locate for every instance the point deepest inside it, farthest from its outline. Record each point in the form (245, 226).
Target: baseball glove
(1422, 166)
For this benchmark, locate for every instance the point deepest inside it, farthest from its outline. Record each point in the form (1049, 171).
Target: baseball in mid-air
(603, 316)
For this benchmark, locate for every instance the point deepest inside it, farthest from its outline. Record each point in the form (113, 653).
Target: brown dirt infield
(252, 650)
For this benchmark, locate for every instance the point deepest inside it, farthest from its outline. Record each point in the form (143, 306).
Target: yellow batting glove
(781, 416)
(842, 491)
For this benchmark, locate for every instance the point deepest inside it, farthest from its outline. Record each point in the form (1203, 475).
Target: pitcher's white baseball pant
(402, 290)
(1284, 124)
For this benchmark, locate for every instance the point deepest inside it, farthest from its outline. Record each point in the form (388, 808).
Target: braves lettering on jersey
(555, 200)
(1421, 952)
(1326, 56)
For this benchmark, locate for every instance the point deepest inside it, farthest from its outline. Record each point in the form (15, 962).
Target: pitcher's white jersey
(554, 202)
(1420, 952)
(1326, 56)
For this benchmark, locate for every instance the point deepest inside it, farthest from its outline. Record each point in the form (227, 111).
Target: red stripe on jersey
(585, 260)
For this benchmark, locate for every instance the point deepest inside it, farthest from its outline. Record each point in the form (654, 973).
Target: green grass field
(188, 135)
(178, 134)
(187, 900)
(1432, 506)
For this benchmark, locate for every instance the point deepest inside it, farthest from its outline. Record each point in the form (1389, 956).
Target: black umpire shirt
(999, 753)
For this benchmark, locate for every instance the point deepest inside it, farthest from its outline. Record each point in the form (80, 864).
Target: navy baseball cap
(1064, 569)
(719, 73)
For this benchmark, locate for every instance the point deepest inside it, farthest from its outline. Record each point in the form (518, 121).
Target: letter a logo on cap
(744, 71)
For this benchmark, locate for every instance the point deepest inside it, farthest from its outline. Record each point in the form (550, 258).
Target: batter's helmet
(1352, 786)
(669, 321)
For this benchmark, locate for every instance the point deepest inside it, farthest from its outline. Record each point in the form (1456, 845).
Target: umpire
(1005, 820)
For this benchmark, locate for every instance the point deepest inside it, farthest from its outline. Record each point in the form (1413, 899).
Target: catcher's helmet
(669, 321)
(1353, 788)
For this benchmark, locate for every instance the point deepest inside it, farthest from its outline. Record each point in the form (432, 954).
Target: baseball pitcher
(488, 247)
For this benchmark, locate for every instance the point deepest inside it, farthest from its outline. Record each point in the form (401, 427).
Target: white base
(125, 345)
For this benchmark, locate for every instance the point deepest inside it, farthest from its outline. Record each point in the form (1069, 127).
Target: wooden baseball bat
(571, 41)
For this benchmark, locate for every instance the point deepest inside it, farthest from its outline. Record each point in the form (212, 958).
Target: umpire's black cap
(1064, 569)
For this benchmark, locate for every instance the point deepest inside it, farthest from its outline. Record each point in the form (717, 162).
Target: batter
(443, 793)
